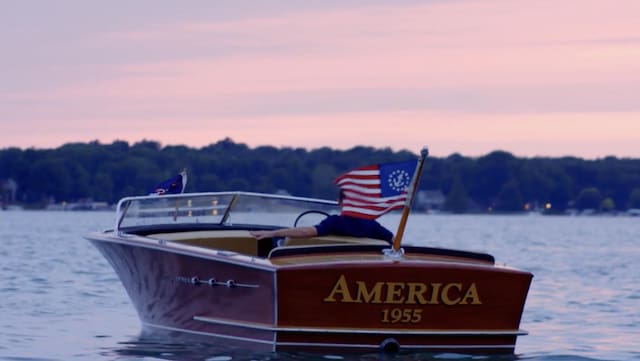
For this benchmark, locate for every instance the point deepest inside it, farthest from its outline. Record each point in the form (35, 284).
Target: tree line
(498, 181)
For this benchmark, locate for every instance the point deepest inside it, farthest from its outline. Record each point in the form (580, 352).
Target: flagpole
(183, 174)
(407, 204)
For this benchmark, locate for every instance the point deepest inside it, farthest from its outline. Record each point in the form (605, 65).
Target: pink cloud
(493, 43)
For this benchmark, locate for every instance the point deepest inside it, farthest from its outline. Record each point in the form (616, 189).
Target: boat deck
(314, 249)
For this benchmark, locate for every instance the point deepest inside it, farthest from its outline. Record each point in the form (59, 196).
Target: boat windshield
(221, 208)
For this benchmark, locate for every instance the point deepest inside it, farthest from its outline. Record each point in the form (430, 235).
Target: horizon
(543, 79)
(253, 148)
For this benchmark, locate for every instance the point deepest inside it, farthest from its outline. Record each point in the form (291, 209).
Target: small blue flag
(173, 185)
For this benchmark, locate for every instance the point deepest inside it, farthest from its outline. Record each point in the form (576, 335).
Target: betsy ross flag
(173, 185)
(371, 191)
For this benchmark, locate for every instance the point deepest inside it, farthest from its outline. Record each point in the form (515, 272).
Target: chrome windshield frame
(124, 205)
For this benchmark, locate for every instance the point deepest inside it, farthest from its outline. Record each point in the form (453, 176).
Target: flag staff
(183, 181)
(407, 205)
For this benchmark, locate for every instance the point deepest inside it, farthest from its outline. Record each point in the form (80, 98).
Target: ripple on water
(59, 298)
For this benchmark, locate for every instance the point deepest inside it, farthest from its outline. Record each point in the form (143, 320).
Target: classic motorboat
(189, 264)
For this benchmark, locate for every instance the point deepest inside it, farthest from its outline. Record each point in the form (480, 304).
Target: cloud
(468, 45)
(455, 62)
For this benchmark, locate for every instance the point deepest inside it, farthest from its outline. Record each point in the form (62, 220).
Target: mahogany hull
(167, 296)
(431, 306)
(466, 307)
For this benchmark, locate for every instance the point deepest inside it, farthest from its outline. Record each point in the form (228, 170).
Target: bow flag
(173, 185)
(371, 191)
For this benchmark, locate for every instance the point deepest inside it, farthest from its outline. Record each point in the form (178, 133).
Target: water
(60, 300)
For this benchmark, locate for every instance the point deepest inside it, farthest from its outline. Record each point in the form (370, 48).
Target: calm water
(59, 300)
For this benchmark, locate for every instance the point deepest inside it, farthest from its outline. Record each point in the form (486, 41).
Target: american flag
(371, 191)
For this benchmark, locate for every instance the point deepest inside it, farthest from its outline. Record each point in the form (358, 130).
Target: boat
(190, 266)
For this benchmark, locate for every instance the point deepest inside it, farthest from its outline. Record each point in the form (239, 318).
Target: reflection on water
(177, 347)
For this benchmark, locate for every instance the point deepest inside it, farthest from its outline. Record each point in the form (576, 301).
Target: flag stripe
(378, 208)
(363, 181)
(364, 199)
(363, 189)
(353, 189)
(363, 172)
(359, 211)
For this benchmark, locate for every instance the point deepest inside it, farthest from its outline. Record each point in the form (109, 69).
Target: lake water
(60, 300)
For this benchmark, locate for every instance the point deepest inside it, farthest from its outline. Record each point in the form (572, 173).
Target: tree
(80, 181)
(509, 199)
(50, 179)
(634, 198)
(535, 186)
(109, 171)
(492, 172)
(589, 198)
(102, 187)
(322, 177)
(560, 193)
(607, 205)
(457, 200)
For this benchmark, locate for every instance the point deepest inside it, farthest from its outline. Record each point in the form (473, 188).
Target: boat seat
(331, 239)
(239, 241)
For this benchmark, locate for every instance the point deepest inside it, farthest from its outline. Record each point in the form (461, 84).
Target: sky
(535, 78)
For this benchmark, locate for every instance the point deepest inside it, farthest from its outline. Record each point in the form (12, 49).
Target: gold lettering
(435, 291)
(394, 292)
(363, 295)
(409, 293)
(472, 294)
(416, 291)
(341, 289)
(445, 294)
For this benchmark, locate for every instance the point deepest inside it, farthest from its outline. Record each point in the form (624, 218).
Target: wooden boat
(189, 264)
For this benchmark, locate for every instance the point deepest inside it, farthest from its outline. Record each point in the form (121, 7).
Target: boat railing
(221, 208)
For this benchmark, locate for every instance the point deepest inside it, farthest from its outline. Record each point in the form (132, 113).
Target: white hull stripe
(327, 345)
(201, 333)
(402, 346)
(266, 327)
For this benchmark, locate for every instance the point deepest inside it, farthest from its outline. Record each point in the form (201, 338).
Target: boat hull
(171, 290)
(430, 306)
(373, 304)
